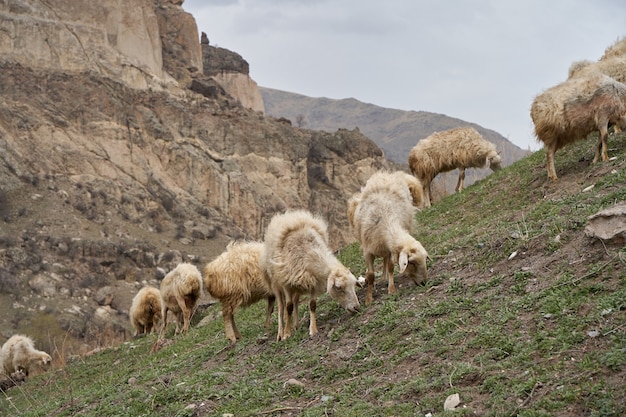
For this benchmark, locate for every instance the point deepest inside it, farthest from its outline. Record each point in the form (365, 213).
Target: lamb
(237, 279)
(382, 217)
(19, 354)
(461, 148)
(145, 310)
(298, 261)
(180, 289)
(571, 110)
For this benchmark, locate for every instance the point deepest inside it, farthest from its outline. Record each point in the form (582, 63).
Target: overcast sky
(482, 61)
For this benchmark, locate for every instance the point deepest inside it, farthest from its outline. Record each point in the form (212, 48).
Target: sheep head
(46, 359)
(494, 162)
(341, 288)
(412, 262)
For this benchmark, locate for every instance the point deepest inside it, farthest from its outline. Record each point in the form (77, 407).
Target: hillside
(523, 314)
(394, 131)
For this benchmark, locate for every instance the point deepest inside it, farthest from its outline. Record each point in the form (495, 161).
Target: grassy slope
(510, 336)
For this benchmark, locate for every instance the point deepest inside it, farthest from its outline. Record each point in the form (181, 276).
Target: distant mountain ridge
(394, 131)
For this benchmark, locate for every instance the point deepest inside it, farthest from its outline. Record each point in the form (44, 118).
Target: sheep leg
(296, 317)
(313, 324)
(426, 189)
(460, 184)
(289, 312)
(185, 312)
(550, 151)
(164, 325)
(270, 309)
(369, 278)
(179, 321)
(281, 314)
(601, 148)
(388, 270)
(229, 323)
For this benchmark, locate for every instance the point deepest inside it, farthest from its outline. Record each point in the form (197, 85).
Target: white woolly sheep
(19, 354)
(297, 261)
(237, 279)
(180, 290)
(382, 217)
(461, 147)
(145, 310)
(575, 108)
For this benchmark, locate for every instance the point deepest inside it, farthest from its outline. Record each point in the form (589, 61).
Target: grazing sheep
(237, 279)
(19, 354)
(575, 108)
(145, 310)
(298, 261)
(461, 147)
(382, 217)
(180, 289)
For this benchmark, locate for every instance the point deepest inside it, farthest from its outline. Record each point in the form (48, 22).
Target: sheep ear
(403, 261)
(330, 283)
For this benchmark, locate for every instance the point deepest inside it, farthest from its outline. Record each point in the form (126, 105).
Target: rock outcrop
(111, 39)
(231, 72)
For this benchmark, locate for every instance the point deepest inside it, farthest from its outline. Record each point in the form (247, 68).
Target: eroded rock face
(105, 37)
(182, 54)
(231, 72)
(242, 88)
(156, 153)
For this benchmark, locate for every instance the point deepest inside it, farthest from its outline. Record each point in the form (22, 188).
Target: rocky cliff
(112, 170)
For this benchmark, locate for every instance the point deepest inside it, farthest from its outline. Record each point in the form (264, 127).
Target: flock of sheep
(294, 259)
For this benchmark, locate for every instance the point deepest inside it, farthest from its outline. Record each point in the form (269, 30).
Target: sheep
(236, 279)
(19, 354)
(461, 147)
(298, 261)
(382, 217)
(180, 289)
(571, 110)
(145, 310)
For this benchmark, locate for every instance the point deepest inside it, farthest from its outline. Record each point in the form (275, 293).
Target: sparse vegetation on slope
(523, 315)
